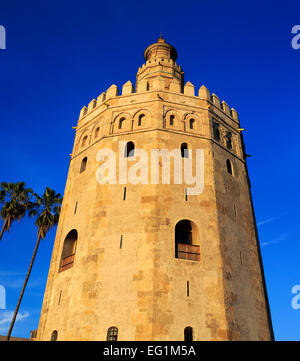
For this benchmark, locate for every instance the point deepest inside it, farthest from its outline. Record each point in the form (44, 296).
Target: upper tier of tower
(161, 64)
(161, 74)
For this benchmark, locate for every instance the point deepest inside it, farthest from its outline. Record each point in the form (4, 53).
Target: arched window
(184, 150)
(83, 164)
(172, 117)
(112, 334)
(84, 141)
(68, 251)
(188, 334)
(129, 150)
(216, 130)
(140, 119)
(186, 246)
(229, 140)
(229, 167)
(121, 121)
(97, 132)
(183, 232)
(192, 121)
(54, 335)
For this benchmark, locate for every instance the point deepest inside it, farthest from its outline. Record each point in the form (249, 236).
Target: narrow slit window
(121, 121)
(141, 119)
(83, 164)
(59, 298)
(121, 241)
(229, 167)
(192, 121)
(84, 141)
(172, 117)
(75, 210)
(184, 150)
(229, 141)
(187, 288)
(129, 150)
(124, 194)
(216, 131)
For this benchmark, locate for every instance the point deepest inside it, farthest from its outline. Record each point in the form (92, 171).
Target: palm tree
(2, 195)
(16, 200)
(47, 213)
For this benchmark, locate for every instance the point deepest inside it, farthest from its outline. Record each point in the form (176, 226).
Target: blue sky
(62, 54)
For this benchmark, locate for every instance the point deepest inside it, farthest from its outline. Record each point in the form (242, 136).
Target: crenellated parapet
(103, 116)
(132, 112)
(143, 89)
(220, 105)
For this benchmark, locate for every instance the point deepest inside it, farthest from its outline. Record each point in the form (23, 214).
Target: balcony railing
(187, 251)
(33, 334)
(67, 262)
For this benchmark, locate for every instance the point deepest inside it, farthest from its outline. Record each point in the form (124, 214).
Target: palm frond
(48, 211)
(16, 201)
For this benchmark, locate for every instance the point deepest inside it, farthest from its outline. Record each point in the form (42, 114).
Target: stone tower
(148, 260)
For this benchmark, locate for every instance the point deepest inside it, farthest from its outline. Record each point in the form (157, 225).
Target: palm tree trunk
(3, 228)
(24, 286)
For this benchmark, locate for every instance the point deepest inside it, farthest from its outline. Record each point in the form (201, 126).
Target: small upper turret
(160, 65)
(161, 49)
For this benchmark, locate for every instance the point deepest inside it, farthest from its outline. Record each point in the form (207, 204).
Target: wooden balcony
(187, 251)
(67, 263)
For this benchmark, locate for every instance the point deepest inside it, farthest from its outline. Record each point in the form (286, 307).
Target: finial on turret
(160, 49)
(161, 39)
